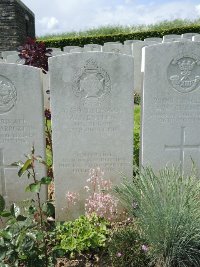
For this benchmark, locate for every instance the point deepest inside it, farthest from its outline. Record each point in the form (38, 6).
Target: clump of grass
(167, 207)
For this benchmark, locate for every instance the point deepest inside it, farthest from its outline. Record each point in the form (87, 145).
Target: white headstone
(108, 43)
(154, 39)
(15, 59)
(92, 122)
(176, 40)
(189, 35)
(54, 48)
(78, 49)
(196, 38)
(114, 48)
(4, 54)
(46, 90)
(68, 48)
(127, 42)
(171, 37)
(171, 106)
(21, 126)
(137, 54)
(92, 47)
(57, 53)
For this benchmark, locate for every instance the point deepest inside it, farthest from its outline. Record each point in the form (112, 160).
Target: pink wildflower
(144, 248)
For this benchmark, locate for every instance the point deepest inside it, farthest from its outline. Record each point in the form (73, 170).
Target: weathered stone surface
(21, 126)
(137, 54)
(171, 106)
(92, 122)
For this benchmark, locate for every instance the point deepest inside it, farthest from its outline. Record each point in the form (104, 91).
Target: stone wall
(16, 23)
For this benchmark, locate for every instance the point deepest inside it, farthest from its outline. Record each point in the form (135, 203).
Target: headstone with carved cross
(92, 122)
(171, 106)
(21, 126)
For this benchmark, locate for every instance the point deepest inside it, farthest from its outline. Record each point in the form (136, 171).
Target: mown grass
(115, 29)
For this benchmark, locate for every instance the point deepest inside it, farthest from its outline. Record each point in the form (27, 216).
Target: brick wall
(16, 23)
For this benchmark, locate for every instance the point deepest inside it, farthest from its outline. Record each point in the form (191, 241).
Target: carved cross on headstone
(182, 147)
(3, 167)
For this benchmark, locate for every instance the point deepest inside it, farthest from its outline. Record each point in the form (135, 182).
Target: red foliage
(35, 54)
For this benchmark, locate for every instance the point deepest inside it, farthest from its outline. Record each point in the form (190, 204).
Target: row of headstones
(130, 47)
(92, 117)
(127, 48)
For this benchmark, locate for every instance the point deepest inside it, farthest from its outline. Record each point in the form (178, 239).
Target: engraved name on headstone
(92, 122)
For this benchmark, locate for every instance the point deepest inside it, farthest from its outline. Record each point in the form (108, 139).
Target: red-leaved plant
(35, 54)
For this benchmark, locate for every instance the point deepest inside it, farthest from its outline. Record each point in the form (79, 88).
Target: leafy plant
(136, 135)
(27, 236)
(166, 205)
(82, 236)
(126, 247)
(35, 54)
(137, 99)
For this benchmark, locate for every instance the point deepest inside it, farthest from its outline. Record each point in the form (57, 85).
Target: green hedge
(101, 39)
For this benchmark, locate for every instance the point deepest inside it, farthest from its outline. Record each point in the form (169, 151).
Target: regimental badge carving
(91, 81)
(183, 73)
(8, 95)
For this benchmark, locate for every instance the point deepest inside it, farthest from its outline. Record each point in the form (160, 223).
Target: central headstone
(171, 106)
(92, 122)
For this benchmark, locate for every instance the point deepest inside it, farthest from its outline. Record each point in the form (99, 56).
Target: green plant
(87, 234)
(126, 248)
(27, 237)
(137, 99)
(136, 134)
(166, 205)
